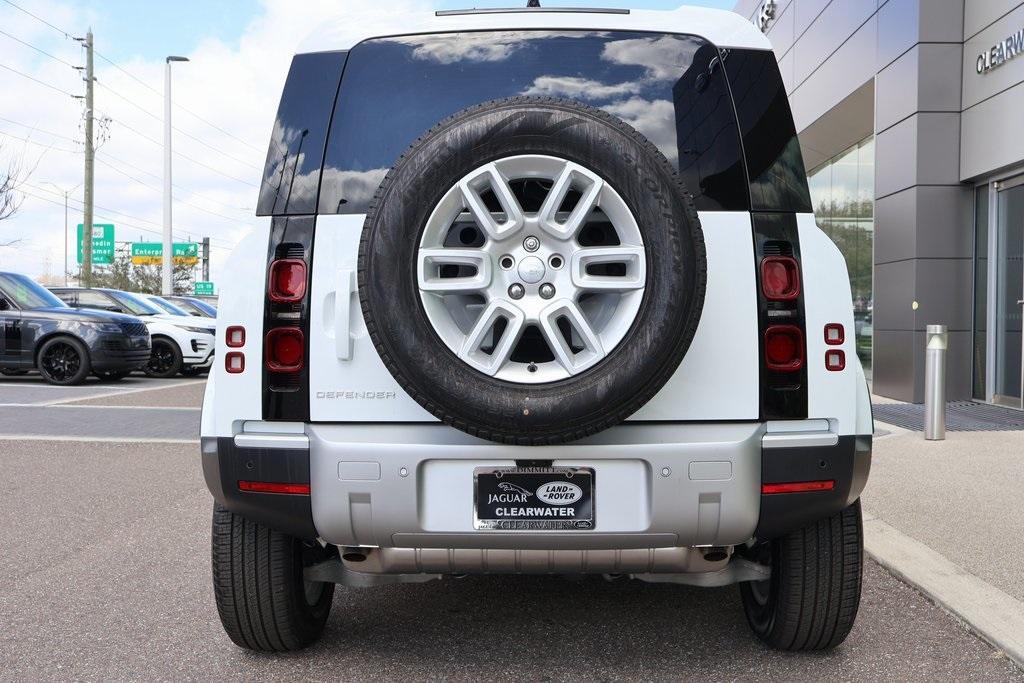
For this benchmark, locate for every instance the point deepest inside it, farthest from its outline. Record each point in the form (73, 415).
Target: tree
(125, 275)
(11, 179)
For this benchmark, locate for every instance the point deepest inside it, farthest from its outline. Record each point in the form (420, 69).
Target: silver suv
(537, 292)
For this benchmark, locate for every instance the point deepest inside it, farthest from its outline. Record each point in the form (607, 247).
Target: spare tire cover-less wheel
(532, 271)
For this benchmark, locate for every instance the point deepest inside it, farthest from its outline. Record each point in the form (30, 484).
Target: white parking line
(996, 617)
(94, 439)
(122, 392)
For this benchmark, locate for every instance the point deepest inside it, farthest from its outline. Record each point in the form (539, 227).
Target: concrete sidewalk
(960, 501)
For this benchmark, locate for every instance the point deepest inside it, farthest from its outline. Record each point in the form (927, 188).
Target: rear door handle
(343, 287)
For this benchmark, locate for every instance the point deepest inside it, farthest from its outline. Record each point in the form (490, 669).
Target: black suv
(65, 344)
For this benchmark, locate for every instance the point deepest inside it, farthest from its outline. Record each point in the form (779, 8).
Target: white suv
(541, 292)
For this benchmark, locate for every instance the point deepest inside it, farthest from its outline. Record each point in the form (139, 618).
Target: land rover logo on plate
(559, 493)
(533, 498)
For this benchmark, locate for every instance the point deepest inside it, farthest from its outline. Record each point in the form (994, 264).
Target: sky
(225, 101)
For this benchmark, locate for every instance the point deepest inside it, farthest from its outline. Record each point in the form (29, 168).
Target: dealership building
(910, 115)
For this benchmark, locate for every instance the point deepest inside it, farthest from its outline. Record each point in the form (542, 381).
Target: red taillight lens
(780, 278)
(784, 348)
(285, 349)
(835, 335)
(287, 280)
(234, 362)
(799, 487)
(273, 487)
(235, 337)
(835, 360)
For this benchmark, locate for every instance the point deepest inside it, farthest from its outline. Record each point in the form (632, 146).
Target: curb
(994, 616)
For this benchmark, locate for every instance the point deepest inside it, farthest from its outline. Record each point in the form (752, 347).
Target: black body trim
(225, 464)
(848, 463)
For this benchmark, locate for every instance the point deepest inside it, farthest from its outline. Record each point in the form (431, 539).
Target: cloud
(656, 119)
(233, 84)
(580, 88)
(663, 58)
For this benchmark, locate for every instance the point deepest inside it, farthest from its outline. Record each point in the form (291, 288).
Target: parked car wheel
(112, 375)
(164, 360)
(263, 599)
(63, 361)
(811, 600)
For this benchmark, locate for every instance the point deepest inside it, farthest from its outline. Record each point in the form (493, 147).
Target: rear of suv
(543, 293)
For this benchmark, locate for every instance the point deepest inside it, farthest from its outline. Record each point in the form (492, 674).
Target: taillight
(285, 349)
(799, 487)
(287, 280)
(835, 335)
(780, 278)
(235, 337)
(835, 360)
(784, 348)
(274, 487)
(234, 362)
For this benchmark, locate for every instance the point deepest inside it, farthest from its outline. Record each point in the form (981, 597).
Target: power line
(41, 20)
(150, 114)
(39, 144)
(181, 154)
(174, 185)
(40, 130)
(160, 190)
(39, 50)
(32, 78)
(179, 106)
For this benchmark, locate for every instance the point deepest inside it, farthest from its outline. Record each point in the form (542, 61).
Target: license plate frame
(551, 492)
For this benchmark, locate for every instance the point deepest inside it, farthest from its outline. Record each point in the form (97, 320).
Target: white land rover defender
(538, 291)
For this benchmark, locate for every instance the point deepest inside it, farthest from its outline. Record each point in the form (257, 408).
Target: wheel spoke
(474, 186)
(624, 269)
(431, 271)
(587, 183)
(483, 332)
(565, 316)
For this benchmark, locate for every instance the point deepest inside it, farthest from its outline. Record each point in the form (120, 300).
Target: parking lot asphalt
(104, 574)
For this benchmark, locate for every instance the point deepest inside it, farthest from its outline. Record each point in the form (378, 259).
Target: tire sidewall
(84, 365)
(642, 361)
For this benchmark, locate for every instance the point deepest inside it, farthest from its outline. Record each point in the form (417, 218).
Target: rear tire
(263, 600)
(811, 600)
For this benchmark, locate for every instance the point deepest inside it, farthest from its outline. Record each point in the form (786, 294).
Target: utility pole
(167, 287)
(90, 162)
(206, 259)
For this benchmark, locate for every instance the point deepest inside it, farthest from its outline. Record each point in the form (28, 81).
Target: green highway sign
(204, 288)
(102, 244)
(152, 253)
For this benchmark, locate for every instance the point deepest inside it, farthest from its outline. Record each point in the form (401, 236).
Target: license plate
(534, 498)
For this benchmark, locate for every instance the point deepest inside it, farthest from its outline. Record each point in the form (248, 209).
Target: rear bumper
(657, 485)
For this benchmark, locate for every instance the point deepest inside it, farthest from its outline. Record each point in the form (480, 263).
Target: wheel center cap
(531, 269)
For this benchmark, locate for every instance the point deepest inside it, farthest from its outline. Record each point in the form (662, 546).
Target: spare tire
(532, 271)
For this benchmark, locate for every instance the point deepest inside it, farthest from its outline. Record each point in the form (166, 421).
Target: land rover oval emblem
(559, 493)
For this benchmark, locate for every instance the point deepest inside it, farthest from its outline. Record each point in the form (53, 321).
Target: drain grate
(961, 416)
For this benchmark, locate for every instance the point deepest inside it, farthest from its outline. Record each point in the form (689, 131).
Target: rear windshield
(669, 87)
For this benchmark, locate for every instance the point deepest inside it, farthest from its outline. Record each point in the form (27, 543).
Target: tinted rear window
(291, 176)
(778, 181)
(670, 87)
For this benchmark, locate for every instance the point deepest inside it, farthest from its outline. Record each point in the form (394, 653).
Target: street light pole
(65, 192)
(168, 249)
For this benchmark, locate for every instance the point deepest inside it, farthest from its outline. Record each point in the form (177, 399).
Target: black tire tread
(605, 419)
(254, 587)
(819, 573)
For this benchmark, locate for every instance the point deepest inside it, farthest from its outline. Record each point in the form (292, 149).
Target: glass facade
(842, 192)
